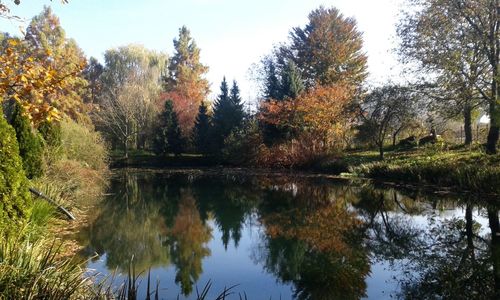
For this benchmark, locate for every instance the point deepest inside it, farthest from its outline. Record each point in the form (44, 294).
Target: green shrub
(30, 144)
(51, 133)
(83, 144)
(14, 195)
(241, 147)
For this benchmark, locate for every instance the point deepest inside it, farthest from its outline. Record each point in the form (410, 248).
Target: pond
(276, 236)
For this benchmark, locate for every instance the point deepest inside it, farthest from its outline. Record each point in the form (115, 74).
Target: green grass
(463, 168)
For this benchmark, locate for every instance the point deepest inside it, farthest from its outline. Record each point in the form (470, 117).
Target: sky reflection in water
(289, 237)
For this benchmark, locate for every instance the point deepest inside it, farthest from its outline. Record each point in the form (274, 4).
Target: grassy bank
(462, 168)
(146, 159)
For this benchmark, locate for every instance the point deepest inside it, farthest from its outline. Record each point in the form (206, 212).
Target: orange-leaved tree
(27, 80)
(185, 84)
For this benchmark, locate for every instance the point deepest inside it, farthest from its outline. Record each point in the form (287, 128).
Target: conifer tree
(238, 113)
(272, 86)
(201, 130)
(14, 194)
(291, 81)
(228, 114)
(30, 145)
(168, 138)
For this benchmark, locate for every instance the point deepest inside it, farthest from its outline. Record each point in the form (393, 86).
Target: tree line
(314, 99)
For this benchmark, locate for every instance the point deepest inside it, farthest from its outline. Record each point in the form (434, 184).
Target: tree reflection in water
(188, 238)
(321, 236)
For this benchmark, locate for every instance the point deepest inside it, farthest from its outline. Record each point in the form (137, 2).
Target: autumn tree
(201, 130)
(459, 40)
(130, 92)
(321, 114)
(28, 80)
(185, 84)
(46, 40)
(325, 56)
(92, 74)
(329, 49)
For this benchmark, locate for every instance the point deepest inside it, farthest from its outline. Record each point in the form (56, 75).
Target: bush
(14, 195)
(77, 170)
(83, 144)
(30, 144)
(241, 147)
(51, 133)
(303, 152)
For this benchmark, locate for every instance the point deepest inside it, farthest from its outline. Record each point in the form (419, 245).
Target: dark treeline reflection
(321, 236)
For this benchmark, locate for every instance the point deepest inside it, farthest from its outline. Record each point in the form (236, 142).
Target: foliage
(440, 46)
(92, 73)
(14, 195)
(185, 84)
(328, 50)
(387, 110)
(243, 145)
(459, 41)
(130, 92)
(30, 143)
(46, 41)
(82, 143)
(77, 169)
(321, 112)
(51, 132)
(201, 130)
(27, 80)
(227, 114)
(168, 135)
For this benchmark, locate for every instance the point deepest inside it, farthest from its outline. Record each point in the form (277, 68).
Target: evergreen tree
(238, 113)
(168, 138)
(201, 130)
(14, 194)
(291, 81)
(30, 145)
(272, 86)
(228, 114)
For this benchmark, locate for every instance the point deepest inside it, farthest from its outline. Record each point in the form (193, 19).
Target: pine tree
(30, 145)
(291, 81)
(168, 138)
(201, 130)
(272, 86)
(237, 112)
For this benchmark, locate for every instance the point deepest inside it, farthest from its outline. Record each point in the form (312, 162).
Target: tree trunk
(125, 145)
(493, 134)
(495, 247)
(469, 230)
(468, 124)
(381, 151)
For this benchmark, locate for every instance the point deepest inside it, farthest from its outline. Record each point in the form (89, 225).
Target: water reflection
(319, 236)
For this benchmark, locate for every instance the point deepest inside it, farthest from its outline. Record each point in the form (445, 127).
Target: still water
(291, 237)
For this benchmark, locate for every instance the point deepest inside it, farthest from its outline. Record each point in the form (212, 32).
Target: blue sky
(232, 34)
